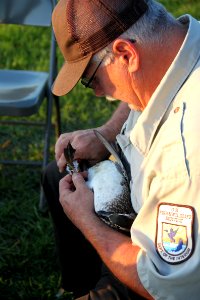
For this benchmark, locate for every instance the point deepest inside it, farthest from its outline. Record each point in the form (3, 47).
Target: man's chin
(134, 107)
(109, 98)
(131, 106)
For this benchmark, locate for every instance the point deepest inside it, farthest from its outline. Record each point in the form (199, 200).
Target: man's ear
(127, 53)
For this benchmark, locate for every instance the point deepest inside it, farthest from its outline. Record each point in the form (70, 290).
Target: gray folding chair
(23, 91)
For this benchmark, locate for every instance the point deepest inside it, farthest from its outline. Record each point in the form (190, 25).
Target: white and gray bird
(109, 182)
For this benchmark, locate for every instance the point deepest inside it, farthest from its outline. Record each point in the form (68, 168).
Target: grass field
(28, 262)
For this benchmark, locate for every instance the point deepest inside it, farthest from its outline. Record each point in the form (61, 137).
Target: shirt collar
(143, 132)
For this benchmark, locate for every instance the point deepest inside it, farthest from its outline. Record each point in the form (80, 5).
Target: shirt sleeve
(166, 184)
(167, 230)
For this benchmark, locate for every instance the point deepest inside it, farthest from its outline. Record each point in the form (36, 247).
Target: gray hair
(152, 27)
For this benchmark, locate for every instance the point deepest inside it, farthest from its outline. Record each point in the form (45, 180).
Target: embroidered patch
(174, 236)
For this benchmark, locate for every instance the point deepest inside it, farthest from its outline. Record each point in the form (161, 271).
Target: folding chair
(23, 91)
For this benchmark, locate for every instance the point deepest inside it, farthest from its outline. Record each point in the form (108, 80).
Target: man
(158, 58)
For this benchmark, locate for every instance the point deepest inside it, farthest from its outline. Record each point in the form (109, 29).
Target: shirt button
(176, 109)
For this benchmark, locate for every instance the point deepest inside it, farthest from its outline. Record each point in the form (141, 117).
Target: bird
(172, 234)
(109, 182)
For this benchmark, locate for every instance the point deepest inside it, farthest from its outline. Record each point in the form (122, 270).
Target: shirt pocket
(171, 154)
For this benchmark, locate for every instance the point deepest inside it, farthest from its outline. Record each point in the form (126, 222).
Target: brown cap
(83, 27)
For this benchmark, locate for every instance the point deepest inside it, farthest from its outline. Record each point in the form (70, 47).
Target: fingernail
(75, 174)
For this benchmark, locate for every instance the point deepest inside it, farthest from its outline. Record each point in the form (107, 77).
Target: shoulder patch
(174, 233)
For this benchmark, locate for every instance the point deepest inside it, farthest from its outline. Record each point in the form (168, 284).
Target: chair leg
(58, 117)
(42, 201)
(43, 207)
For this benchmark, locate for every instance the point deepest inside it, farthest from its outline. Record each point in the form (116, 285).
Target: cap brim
(69, 75)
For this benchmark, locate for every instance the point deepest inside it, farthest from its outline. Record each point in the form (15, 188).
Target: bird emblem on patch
(174, 236)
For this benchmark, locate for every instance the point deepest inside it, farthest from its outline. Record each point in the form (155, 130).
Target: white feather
(104, 179)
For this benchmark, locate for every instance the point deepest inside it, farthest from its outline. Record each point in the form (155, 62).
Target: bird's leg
(72, 164)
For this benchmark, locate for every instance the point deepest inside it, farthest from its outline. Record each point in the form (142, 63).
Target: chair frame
(48, 125)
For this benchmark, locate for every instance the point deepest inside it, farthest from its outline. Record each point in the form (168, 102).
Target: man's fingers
(61, 163)
(66, 187)
(78, 180)
(65, 182)
(57, 147)
(61, 143)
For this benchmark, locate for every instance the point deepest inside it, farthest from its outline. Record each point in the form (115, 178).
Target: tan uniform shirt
(162, 145)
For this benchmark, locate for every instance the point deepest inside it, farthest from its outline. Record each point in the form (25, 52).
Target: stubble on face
(109, 98)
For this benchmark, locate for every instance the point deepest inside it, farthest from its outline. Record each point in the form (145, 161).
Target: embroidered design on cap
(174, 236)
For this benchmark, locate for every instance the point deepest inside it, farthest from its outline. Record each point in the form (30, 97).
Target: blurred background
(28, 261)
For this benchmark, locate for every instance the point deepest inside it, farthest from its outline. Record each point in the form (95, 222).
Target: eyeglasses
(87, 82)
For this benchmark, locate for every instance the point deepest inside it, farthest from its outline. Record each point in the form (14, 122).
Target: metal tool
(110, 147)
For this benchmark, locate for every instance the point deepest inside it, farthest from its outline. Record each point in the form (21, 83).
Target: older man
(135, 51)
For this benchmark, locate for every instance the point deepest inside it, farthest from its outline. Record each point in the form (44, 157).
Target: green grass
(28, 261)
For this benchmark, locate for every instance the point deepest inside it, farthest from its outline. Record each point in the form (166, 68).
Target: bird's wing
(112, 151)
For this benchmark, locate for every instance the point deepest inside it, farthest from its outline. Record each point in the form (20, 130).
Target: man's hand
(76, 199)
(78, 204)
(86, 143)
(87, 147)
